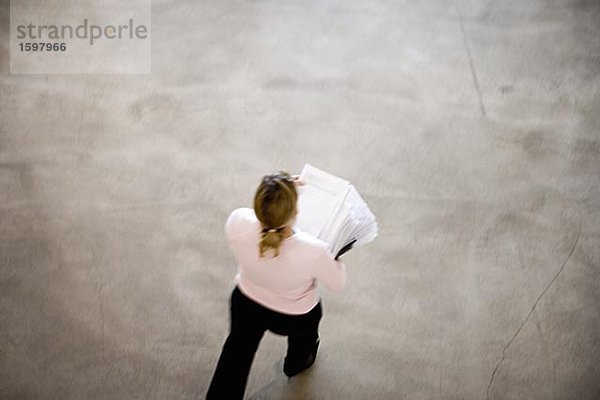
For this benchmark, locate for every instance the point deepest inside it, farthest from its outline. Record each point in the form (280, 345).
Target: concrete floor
(472, 128)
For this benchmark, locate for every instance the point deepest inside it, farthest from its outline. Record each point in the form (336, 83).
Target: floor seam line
(471, 63)
(560, 270)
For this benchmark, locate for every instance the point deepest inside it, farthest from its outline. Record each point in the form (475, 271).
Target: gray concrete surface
(472, 128)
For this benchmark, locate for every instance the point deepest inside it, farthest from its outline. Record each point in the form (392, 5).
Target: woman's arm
(329, 271)
(237, 223)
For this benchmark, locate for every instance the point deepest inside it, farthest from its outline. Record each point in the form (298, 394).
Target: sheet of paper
(366, 224)
(331, 209)
(319, 198)
(331, 234)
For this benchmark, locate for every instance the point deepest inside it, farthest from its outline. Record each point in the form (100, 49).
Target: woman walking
(276, 285)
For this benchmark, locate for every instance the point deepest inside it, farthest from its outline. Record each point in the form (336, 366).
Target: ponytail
(274, 205)
(270, 239)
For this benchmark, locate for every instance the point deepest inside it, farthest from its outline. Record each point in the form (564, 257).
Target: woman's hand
(297, 180)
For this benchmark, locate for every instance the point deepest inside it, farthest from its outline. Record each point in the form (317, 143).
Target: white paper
(331, 209)
(319, 198)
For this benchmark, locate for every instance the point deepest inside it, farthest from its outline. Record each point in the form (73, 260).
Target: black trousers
(249, 321)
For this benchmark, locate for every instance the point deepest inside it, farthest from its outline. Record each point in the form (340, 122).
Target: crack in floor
(99, 291)
(503, 356)
(471, 64)
(101, 320)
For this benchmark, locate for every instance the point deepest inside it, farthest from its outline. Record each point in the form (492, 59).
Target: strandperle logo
(85, 31)
(80, 37)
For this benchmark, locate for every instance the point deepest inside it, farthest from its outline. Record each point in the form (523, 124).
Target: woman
(276, 285)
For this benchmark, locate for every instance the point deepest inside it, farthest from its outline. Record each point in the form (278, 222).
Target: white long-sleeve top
(286, 283)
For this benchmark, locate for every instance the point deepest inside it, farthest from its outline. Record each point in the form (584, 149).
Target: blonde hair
(275, 206)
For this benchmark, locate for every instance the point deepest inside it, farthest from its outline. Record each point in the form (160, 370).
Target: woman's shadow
(284, 388)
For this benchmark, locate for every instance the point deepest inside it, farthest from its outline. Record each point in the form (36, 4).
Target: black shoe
(290, 372)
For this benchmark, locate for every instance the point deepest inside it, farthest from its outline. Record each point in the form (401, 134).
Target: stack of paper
(331, 209)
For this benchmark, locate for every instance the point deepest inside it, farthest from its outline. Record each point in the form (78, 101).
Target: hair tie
(272, 230)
